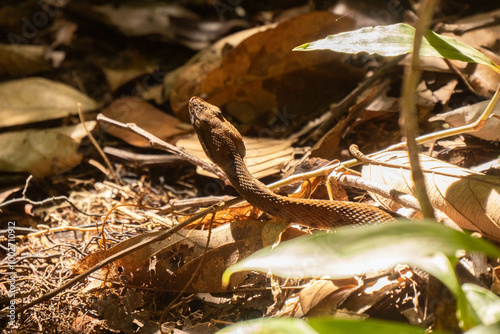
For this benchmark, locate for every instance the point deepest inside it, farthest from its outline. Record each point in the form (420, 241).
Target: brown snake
(223, 144)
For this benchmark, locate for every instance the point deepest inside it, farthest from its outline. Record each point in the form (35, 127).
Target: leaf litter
(60, 237)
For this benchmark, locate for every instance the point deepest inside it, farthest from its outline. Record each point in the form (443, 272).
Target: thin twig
(339, 109)
(114, 177)
(156, 142)
(154, 237)
(46, 201)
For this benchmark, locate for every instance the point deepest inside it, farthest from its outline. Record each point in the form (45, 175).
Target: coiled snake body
(223, 144)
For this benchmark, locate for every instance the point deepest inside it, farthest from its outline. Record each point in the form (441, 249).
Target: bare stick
(156, 142)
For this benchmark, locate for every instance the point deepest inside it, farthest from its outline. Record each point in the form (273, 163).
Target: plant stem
(408, 109)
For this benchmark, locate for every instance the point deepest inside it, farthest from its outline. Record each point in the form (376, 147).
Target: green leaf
(353, 251)
(450, 48)
(321, 326)
(485, 303)
(371, 326)
(397, 39)
(391, 40)
(491, 329)
(270, 326)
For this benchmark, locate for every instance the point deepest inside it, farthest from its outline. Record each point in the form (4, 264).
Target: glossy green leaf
(270, 326)
(397, 39)
(371, 326)
(485, 303)
(353, 251)
(491, 329)
(321, 326)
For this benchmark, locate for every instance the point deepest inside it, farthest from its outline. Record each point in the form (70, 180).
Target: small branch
(46, 201)
(341, 108)
(94, 142)
(156, 142)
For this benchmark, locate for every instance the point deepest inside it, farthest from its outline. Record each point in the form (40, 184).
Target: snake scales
(224, 145)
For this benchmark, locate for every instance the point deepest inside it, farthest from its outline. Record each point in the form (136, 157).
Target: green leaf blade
(372, 326)
(485, 303)
(450, 48)
(321, 326)
(355, 251)
(387, 41)
(397, 39)
(268, 326)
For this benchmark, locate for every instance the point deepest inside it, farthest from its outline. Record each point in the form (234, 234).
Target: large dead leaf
(468, 115)
(264, 156)
(262, 74)
(178, 257)
(470, 199)
(144, 115)
(198, 66)
(42, 152)
(37, 99)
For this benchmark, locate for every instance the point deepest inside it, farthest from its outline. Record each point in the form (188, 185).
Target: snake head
(219, 138)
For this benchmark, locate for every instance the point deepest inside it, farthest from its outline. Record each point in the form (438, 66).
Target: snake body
(224, 145)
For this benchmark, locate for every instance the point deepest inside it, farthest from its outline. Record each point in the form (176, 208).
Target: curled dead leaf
(469, 198)
(22, 60)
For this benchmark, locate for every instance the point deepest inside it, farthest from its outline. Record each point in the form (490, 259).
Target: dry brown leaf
(42, 152)
(178, 256)
(322, 297)
(37, 99)
(470, 199)
(264, 156)
(382, 102)
(186, 78)
(443, 94)
(468, 115)
(144, 115)
(327, 146)
(234, 213)
(137, 65)
(262, 74)
(6, 192)
(22, 60)
(229, 244)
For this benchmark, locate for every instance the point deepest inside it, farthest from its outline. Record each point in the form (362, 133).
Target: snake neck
(244, 182)
(254, 191)
(313, 213)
